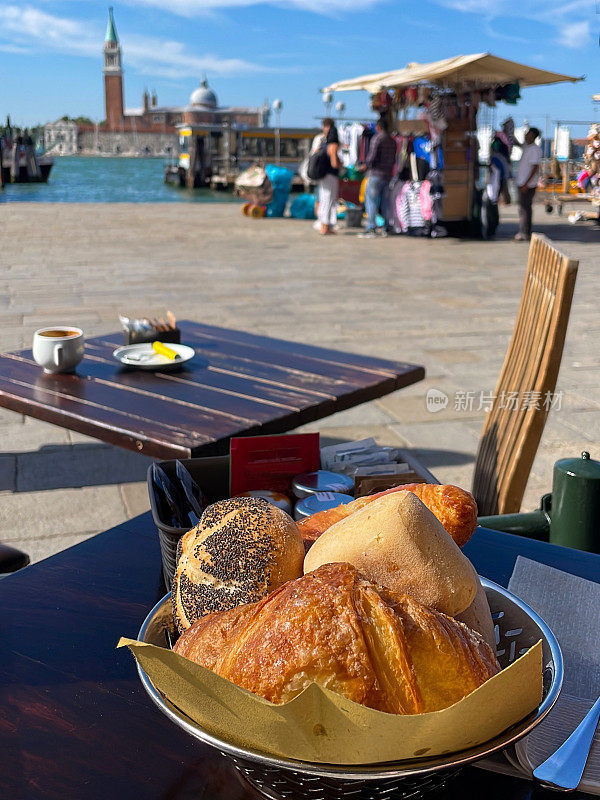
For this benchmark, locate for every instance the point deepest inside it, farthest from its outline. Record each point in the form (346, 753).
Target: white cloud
(29, 26)
(479, 6)
(192, 8)
(575, 34)
(36, 31)
(171, 59)
(532, 9)
(567, 17)
(14, 48)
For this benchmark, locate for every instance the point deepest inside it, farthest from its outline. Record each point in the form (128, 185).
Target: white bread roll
(478, 617)
(240, 551)
(397, 542)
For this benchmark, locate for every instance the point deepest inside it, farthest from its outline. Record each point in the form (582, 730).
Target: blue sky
(51, 60)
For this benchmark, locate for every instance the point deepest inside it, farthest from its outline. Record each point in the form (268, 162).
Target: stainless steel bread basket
(518, 627)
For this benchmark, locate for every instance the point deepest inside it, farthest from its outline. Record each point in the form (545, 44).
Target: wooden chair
(511, 435)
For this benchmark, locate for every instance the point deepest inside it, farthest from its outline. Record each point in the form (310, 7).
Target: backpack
(318, 163)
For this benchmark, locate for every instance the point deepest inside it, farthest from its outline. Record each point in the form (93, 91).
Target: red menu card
(271, 462)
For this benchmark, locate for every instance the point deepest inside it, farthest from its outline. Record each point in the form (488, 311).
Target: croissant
(455, 508)
(334, 628)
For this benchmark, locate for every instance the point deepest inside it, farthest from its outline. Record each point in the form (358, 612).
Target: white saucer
(142, 356)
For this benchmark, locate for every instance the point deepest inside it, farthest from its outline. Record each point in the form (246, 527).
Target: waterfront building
(150, 129)
(113, 77)
(61, 137)
(203, 106)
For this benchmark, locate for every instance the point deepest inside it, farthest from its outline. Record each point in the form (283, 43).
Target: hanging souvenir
(423, 95)
(511, 93)
(411, 96)
(508, 128)
(381, 101)
(436, 111)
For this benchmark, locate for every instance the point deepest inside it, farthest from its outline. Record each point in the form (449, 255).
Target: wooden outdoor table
(75, 722)
(238, 384)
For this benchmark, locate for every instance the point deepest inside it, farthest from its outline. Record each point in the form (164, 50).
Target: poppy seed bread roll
(242, 549)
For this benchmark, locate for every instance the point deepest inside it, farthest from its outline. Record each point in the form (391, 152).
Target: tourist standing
(380, 167)
(527, 180)
(330, 182)
(317, 143)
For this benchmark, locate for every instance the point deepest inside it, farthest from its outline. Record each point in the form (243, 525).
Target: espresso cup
(58, 348)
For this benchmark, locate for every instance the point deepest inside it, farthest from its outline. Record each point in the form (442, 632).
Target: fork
(563, 770)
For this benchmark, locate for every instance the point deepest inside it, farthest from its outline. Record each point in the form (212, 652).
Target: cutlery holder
(211, 475)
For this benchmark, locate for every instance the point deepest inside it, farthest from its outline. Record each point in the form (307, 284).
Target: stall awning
(479, 69)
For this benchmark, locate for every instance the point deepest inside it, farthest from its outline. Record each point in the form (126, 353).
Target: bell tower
(113, 77)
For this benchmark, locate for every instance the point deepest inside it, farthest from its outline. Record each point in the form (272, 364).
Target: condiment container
(575, 512)
(321, 480)
(321, 501)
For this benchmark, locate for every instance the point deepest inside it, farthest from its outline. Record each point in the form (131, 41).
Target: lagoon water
(77, 179)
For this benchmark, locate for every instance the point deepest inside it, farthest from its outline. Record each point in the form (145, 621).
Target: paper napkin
(571, 607)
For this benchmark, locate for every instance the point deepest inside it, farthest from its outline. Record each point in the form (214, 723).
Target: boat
(213, 155)
(20, 163)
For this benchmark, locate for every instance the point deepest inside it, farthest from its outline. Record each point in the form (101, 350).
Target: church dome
(203, 96)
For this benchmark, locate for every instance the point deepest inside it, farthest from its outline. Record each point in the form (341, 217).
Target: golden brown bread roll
(455, 508)
(333, 627)
(241, 550)
(397, 542)
(478, 617)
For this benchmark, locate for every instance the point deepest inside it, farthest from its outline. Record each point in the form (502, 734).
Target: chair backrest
(525, 390)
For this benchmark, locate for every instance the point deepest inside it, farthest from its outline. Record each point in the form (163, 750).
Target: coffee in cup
(58, 348)
(60, 333)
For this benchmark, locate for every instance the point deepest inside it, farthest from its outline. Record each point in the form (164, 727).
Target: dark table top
(75, 723)
(238, 384)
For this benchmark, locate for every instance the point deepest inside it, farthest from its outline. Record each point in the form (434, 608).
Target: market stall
(433, 110)
(573, 180)
(588, 178)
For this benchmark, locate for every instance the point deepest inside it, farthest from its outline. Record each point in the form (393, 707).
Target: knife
(563, 770)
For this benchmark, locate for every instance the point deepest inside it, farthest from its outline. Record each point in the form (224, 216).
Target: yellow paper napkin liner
(321, 726)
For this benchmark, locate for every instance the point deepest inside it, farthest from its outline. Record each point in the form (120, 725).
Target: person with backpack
(324, 167)
(317, 142)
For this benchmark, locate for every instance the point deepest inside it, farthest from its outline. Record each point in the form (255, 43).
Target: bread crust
(397, 542)
(242, 549)
(455, 508)
(478, 617)
(333, 627)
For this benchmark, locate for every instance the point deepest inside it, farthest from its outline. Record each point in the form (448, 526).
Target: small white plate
(142, 356)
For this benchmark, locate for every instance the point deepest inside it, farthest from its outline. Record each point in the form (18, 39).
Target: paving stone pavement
(448, 304)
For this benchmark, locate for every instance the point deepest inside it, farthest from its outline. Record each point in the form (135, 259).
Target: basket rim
(388, 769)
